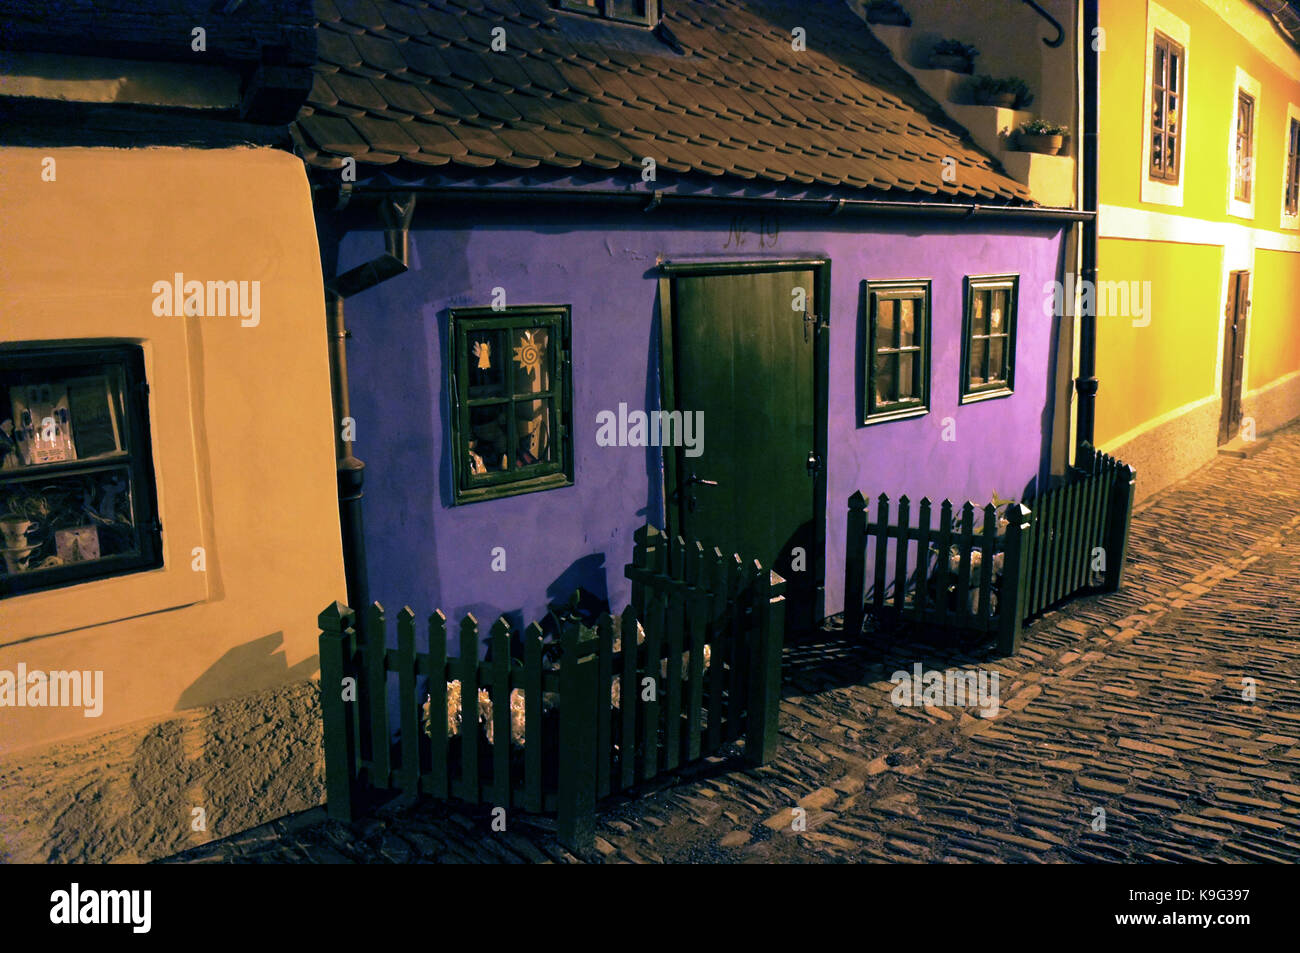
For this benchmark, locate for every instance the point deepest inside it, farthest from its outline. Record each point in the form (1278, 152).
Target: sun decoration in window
(511, 417)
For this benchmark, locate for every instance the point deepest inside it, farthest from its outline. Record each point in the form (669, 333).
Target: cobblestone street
(1133, 704)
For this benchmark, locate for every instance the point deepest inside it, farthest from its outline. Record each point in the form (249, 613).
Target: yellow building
(167, 479)
(1198, 292)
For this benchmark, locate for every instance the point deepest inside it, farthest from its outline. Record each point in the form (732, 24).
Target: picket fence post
(1119, 520)
(855, 566)
(337, 645)
(765, 677)
(576, 801)
(1015, 574)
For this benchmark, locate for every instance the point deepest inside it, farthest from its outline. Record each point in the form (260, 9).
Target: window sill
(889, 416)
(991, 394)
(551, 481)
(1155, 192)
(1242, 210)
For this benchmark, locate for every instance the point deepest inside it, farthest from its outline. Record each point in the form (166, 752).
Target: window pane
(1171, 117)
(998, 311)
(1158, 68)
(885, 322)
(531, 354)
(486, 364)
(978, 352)
(997, 356)
(67, 520)
(979, 322)
(488, 437)
(886, 378)
(906, 322)
(533, 433)
(67, 414)
(909, 376)
(1173, 71)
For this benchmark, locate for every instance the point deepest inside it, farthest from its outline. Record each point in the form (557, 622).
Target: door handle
(699, 481)
(814, 462)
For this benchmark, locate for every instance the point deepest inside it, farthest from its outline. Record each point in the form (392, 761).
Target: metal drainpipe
(396, 213)
(351, 471)
(1086, 383)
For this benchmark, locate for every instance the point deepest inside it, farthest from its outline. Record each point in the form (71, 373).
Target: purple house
(712, 265)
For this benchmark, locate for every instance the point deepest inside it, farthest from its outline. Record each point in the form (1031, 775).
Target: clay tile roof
(716, 91)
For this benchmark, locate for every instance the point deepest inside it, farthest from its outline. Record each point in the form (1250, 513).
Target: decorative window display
(898, 350)
(77, 498)
(511, 401)
(989, 337)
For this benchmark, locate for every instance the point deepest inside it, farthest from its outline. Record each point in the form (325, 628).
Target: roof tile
(417, 80)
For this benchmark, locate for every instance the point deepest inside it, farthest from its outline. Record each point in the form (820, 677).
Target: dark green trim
(900, 410)
(821, 268)
(532, 479)
(973, 283)
(137, 461)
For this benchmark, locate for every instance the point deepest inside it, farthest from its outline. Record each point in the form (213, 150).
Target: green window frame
(511, 401)
(78, 499)
(896, 381)
(988, 352)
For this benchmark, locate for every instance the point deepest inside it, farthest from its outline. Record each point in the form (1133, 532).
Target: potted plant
(1039, 135)
(954, 55)
(1010, 92)
(888, 13)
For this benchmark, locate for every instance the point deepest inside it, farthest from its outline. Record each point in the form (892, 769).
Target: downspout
(396, 213)
(1086, 383)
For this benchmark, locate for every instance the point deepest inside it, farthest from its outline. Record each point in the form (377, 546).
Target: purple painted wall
(426, 553)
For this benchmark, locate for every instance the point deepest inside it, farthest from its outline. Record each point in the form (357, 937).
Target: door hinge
(814, 462)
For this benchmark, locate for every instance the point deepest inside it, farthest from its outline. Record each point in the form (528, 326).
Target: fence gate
(991, 575)
(692, 664)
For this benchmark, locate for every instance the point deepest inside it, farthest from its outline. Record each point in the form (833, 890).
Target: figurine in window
(525, 458)
(476, 465)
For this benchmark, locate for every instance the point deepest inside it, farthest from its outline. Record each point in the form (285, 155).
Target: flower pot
(1047, 145)
(952, 61)
(1005, 100)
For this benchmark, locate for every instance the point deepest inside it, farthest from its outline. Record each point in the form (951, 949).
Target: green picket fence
(693, 664)
(989, 576)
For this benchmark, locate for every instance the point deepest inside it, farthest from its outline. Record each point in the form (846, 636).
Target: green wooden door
(745, 357)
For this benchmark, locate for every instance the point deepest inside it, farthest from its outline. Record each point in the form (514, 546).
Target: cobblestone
(1170, 710)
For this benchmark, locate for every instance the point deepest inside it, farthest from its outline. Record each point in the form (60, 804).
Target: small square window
(511, 401)
(897, 364)
(989, 337)
(77, 495)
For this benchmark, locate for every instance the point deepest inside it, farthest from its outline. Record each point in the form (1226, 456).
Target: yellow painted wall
(1150, 374)
(241, 421)
(1148, 371)
(1274, 318)
(1215, 54)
